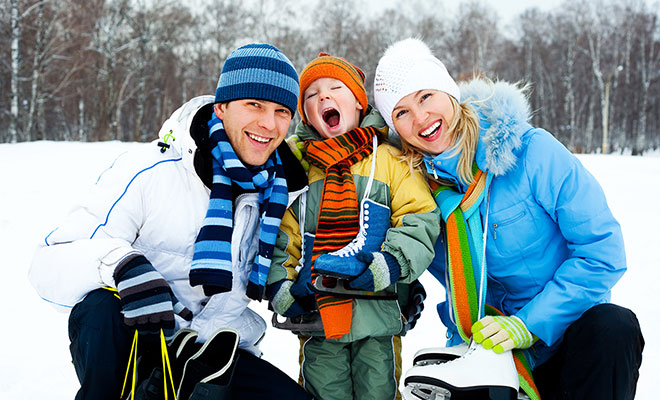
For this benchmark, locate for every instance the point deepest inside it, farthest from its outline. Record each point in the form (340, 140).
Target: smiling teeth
(259, 139)
(427, 132)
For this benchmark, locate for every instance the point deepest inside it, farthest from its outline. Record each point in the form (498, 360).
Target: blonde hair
(463, 133)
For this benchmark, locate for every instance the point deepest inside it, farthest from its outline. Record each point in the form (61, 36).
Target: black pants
(100, 346)
(599, 358)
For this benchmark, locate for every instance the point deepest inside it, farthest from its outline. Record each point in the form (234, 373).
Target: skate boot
(152, 388)
(477, 374)
(439, 355)
(180, 348)
(212, 364)
(180, 340)
(374, 223)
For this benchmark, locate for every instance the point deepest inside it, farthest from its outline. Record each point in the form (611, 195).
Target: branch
(31, 8)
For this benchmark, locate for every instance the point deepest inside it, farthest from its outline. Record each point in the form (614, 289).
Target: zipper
(494, 231)
(430, 164)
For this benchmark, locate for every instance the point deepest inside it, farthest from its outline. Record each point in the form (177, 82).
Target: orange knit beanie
(327, 66)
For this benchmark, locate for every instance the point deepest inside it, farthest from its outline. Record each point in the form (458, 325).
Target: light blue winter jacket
(553, 249)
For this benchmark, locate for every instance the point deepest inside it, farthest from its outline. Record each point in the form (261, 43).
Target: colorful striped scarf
(338, 218)
(212, 262)
(465, 247)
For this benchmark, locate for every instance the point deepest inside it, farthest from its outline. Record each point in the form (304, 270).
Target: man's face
(255, 127)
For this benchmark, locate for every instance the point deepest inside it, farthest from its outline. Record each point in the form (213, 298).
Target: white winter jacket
(152, 203)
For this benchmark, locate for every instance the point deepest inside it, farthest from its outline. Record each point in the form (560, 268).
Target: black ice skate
(213, 365)
(180, 348)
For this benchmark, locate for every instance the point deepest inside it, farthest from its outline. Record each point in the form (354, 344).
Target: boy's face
(254, 127)
(330, 107)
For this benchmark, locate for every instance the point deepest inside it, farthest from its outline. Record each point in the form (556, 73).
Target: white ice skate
(439, 355)
(478, 374)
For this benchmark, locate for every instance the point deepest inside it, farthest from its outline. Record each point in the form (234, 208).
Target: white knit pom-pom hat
(406, 67)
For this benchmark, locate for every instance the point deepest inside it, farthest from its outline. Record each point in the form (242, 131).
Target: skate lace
(471, 348)
(353, 247)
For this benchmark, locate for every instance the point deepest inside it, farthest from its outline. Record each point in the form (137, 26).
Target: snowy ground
(38, 182)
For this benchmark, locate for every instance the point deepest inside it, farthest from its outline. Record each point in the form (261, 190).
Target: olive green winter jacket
(413, 231)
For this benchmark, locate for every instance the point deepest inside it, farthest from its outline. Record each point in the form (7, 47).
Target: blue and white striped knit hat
(258, 71)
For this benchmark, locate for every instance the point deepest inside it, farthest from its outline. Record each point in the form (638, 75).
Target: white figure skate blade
(420, 391)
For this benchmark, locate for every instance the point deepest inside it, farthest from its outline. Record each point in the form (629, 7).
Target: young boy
(372, 224)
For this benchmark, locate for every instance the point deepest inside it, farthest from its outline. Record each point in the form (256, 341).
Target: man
(183, 231)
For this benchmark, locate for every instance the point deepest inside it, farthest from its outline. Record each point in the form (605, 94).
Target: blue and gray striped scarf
(212, 263)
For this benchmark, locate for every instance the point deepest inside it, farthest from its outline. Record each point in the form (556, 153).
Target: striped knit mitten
(147, 301)
(502, 333)
(283, 302)
(382, 270)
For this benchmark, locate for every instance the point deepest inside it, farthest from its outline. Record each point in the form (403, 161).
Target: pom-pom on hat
(406, 67)
(258, 71)
(327, 66)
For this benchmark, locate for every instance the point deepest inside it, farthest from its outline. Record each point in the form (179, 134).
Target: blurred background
(96, 70)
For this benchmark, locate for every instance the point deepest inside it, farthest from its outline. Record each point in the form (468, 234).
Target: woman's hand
(502, 333)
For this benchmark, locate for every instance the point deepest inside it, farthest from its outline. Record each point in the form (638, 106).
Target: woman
(552, 248)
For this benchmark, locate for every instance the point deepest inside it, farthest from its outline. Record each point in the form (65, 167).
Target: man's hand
(147, 301)
(502, 333)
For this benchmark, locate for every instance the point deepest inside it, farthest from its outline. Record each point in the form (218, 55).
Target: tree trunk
(15, 64)
(82, 132)
(37, 71)
(569, 100)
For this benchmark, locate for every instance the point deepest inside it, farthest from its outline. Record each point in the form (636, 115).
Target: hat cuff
(257, 91)
(386, 102)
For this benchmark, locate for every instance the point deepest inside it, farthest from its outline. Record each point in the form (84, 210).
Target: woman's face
(422, 119)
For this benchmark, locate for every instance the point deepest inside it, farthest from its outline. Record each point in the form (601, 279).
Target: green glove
(297, 148)
(502, 333)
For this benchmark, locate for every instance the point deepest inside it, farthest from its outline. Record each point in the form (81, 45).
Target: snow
(40, 180)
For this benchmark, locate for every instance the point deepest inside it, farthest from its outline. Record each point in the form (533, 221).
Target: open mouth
(431, 130)
(257, 138)
(331, 117)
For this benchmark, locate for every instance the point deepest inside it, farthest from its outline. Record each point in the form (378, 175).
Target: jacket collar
(186, 131)
(371, 118)
(504, 117)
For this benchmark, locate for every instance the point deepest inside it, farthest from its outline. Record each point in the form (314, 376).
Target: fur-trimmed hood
(504, 117)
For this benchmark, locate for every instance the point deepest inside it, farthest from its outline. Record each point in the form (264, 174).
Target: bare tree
(111, 38)
(474, 38)
(104, 69)
(605, 65)
(15, 64)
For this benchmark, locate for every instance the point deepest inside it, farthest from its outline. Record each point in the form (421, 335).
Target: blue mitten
(283, 302)
(382, 270)
(147, 301)
(344, 266)
(303, 285)
(414, 306)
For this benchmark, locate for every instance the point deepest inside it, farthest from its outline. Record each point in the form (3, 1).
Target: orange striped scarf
(338, 217)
